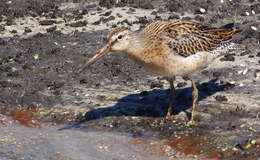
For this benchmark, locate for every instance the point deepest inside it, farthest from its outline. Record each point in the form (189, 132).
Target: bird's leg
(172, 96)
(195, 94)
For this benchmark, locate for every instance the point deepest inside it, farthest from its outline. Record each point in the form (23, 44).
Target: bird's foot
(168, 117)
(191, 123)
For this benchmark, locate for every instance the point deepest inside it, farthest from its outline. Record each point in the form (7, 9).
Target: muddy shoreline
(43, 43)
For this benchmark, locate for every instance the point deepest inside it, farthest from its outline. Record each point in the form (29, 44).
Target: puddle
(187, 145)
(26, 117)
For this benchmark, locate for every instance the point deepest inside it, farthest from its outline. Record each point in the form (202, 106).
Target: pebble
(27, 30)
(79, 24)
(245, 71)
(202, 10)
(228, 58)
(181, 84)
(254, 28)
(257, 74)
(47, 22)
(51, 29)
(221, 98)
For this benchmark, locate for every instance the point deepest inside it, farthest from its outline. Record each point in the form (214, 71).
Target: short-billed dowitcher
(171, 49)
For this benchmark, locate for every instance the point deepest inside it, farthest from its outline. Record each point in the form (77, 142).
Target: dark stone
(2, 42)
(199, 18)
(174, 6)
(119, 15)
(2, 28)
(47, 22)
(146, 5)
(79, 24)
(108, 13)
(51, 29)
(186, 19)
(105, 20)
(27, 30)
(186, 78)
(156, 85)
(228, 57)
(143, 20)
(216, 74)
(181, 84)
(245, 53)
(174, 16)
(13, 31)
(251, 56)
(221, 98)
(258, 54)
(154, 13)
(126, 22)
(101, 97)
(158, 18)
(10, 21)
(97, 22)
(144, 93)
(228, 86)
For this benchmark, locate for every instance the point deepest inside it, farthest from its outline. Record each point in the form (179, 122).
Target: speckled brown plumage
(188, 38)
(171, 49)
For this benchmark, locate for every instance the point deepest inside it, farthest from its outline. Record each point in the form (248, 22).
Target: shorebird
(171, 49)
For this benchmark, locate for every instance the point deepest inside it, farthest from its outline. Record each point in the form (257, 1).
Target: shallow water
(46, 142)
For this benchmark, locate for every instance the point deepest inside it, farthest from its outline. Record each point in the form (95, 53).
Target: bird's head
(117, 40)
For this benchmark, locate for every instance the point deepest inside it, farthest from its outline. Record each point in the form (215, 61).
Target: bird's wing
(188, 38)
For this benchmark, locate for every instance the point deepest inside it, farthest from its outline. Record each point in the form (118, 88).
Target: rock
(245, 53)
(143, 20)
(108, 13)
(47, 22)
(174, 6)
(258, 54)
(126, 22)
(2, 43)
(51, 29)
(199, 18)
(79, 24)
(96, 22)
(119, 15)
(27, 30)
(186, 19)
(174, 16)
(13, 31)
(228, 57)
(146, 5)
(181, 84)
(10, 21)
(257, 74)
(110, 18)
(156, 85)
(2, 28)
(221, 98)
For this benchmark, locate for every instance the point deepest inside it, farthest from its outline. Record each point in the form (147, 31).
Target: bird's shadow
(153, 103)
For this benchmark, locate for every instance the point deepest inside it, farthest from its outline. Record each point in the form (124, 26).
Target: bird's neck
(137, 46)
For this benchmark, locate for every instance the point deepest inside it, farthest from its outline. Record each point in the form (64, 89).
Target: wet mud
(114, 110)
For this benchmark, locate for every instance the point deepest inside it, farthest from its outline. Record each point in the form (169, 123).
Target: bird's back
(179, 48)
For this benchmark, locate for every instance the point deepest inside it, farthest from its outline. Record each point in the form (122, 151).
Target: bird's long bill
(102, 52)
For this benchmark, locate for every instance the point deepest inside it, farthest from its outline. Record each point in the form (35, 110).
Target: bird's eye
(120, 37)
